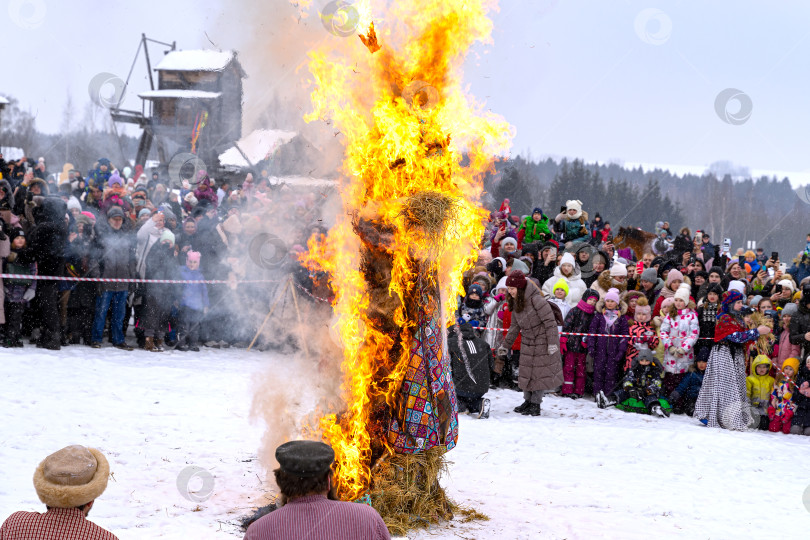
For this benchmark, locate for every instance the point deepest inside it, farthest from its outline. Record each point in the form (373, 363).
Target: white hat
(737, 285)
(501, 285)
(574, 205)
(509, 240)
(618, 269)
(567, 258)
(683, 292)
(787, 283)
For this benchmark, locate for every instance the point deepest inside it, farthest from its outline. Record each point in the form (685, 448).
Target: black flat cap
(305, 458)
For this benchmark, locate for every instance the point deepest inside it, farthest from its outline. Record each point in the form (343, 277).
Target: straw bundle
(763, 343)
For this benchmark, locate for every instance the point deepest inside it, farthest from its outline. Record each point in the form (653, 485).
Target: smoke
(273, 40)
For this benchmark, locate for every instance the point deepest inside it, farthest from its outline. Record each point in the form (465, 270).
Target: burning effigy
(416, 148)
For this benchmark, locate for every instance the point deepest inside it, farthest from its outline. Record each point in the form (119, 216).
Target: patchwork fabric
(430, 416)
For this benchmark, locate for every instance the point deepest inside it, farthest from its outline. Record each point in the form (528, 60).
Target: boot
(484, 412)
(149, 345)
(520, 408)
(532, 410)
(494, 380)
(659, 411)
(159, 345)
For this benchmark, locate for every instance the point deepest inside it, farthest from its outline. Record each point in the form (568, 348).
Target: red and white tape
(132, 280)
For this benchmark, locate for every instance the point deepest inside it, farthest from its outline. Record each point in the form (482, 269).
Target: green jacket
(535, 230)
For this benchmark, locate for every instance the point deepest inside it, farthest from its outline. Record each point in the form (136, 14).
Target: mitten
(563, 345)
(787, 416)
(771, 412)
(502, 352)
(29, 295)
(553, 349)
(674, 396)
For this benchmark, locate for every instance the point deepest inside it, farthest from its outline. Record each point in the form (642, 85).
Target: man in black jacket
(800, 324)
(470, 357)
(48, 242)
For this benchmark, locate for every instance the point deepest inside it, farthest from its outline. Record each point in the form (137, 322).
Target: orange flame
(409, 128)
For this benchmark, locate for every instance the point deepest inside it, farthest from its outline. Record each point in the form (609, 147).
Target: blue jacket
(690, 385)
(195, 295)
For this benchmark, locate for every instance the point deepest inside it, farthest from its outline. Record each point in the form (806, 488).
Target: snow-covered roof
(3, 101)
(200, 60)
(178, 94)
(256, 146)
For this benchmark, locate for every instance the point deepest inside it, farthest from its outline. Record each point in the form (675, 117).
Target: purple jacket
(608, 349)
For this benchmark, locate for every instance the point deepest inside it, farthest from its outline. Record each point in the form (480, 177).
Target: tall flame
(410, 128)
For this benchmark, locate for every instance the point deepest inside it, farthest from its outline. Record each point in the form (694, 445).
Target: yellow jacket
(759, 387)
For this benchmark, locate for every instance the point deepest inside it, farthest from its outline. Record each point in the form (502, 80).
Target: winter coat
(576, 287)
(539, 368)
(114, 254)
(800, 271)
(782, 403)
(194, 295)
(204, 192)
(707, 319)
(492, 306)
(469, 350)
(759, 387)
(679, 331)
(786, 349)
(574, 230)
(535, 231)
(689, 388)
(605, 283)
(577, 321)
(799, 326)
(115, 196)
(640, 334)
(18, 262)
(4, 252)
(212, 249)
(652, 294)
(608, 349)
(49, 237)
(801, 416)
(160, 264)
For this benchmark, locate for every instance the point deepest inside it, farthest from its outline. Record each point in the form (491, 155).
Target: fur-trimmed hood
(605, 283)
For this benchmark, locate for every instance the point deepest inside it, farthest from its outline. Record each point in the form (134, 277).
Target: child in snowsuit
(782, 407)
(758, 386)
(642, 382)
(559, 294)
(642, 332)
(18, 292)
(684, 397)
(535, 227)
(575, 348)
(193, 304)
(608, 352)
(679, 333)
(470, 356)
(472, 308)
(801, 416)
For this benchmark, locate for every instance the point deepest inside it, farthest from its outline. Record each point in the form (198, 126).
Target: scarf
(585, 306)
(610, 317)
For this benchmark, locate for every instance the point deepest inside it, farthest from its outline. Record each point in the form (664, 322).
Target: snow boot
(159, 345)
(520, 408)
(603, 402)
(532, 410)
(149, 345)
(658, 411)
(484, 412)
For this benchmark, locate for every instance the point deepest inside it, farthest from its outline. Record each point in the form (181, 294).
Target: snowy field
(574, 472)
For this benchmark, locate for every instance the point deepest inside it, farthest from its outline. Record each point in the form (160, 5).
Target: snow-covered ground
(574, 472)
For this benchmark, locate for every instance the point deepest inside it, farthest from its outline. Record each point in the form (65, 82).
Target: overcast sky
(625, 81)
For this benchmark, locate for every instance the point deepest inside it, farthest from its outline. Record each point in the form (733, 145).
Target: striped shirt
(55, 524)
(317, 518)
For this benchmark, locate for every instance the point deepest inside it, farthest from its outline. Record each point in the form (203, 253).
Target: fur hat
(561, 284)
(683, 292)
(71, 477)
(574, 205)
(649, 275)
(673, 275)
(618, 270)
(516, 279)
(613, 294)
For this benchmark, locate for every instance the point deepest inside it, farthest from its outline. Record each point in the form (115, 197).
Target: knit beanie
(567, 258)
(501, 284)
(618, 270)
(74, 204)
(673, 275)
(144, 213)
(683, 292)
(792, 362)
(509, 240)
(192, 256)
(755, 301)
(716, 288)
(589, 293)
(737, 285)
(790, 309)
(520, 266)
(167, 235)
(516, 279)
(561, 284)
(612, 294)
(115, 178)
(475, 288)
(717, 270)
(649, 275)
(786, 283)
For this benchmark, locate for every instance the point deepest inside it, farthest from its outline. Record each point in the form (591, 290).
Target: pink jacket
(786, 350)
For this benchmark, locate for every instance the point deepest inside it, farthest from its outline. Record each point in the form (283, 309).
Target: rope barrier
(132, 280)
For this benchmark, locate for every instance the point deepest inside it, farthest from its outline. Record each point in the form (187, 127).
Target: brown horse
(639, 241)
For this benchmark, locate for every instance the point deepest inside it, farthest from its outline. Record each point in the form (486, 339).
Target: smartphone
(741, 259)
(774, 256)
(783, 267)
(777, 289)
(563, 209)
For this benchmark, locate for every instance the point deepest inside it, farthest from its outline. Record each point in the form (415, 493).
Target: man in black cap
(305, 479)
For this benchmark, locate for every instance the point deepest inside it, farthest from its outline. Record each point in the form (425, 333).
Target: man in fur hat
(68, 482)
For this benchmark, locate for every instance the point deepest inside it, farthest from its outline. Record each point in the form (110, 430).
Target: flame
(410, 129)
